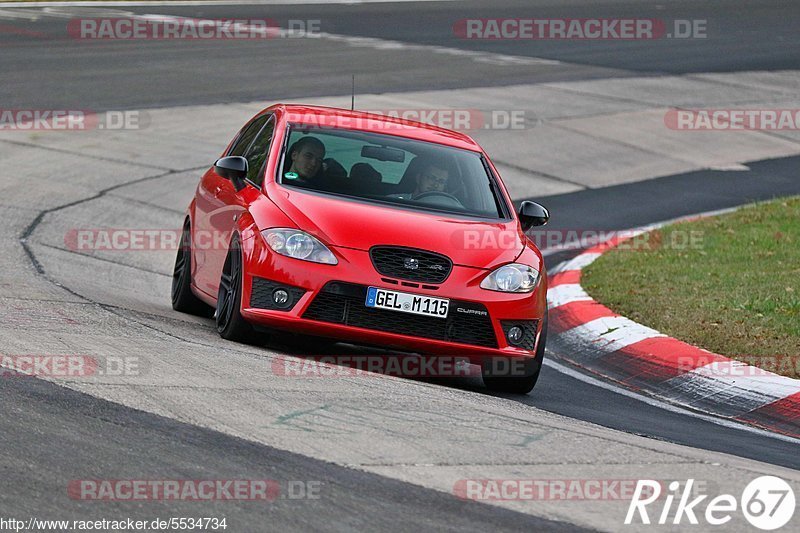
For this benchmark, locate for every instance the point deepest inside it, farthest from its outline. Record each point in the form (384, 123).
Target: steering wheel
(449, 198)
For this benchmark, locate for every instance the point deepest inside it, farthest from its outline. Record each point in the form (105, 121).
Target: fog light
(515, 334)
(280, 297)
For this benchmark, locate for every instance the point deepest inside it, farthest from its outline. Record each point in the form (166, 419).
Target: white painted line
(371, 42)
(733, 167)
(558, 367)
(140, 3)
(12, 14)
(566, 293)
(349, 40)
(480, 57)
(556, 249)
(580, 262)
(556, 269)
(66, 13)
(609, 334)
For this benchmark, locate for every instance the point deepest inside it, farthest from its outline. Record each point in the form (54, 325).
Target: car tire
(230, 323)
(520, 384)
(183, 299)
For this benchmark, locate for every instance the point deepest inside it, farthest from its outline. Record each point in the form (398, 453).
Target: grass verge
(729, 284)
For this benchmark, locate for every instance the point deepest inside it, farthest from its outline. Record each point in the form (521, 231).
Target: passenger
(306, 156)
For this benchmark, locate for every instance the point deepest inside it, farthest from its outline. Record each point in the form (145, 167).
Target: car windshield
(390, 169)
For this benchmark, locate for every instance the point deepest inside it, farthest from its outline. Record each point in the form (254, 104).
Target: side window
(256, 155)
(247, 136)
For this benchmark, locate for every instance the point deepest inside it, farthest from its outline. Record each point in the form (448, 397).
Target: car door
(218, 204)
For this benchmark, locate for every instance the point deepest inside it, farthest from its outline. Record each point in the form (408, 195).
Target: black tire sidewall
(237, 329)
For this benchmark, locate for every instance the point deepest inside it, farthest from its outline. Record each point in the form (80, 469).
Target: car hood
(360, 225)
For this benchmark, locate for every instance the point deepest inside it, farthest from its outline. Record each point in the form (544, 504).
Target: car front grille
(410, 264)
(344, 303)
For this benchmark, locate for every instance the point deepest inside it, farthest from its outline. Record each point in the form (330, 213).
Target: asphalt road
(52, 69)
(51, 435)
(79, 437)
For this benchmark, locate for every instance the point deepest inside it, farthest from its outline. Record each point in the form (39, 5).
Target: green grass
(734, 291)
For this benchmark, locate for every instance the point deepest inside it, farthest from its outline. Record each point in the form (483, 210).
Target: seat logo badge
(410, 263)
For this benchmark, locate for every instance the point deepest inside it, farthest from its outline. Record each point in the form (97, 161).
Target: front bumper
(328, 301)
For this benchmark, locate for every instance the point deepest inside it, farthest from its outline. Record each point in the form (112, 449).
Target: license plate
(407, 303)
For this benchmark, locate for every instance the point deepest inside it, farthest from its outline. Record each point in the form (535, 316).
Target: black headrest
(365, 173)
(409, 180)
(331, 168)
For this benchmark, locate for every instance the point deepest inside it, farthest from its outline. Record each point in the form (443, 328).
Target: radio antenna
(353, 95)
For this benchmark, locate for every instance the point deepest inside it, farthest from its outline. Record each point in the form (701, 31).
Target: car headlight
(513, 277)
(299, 245)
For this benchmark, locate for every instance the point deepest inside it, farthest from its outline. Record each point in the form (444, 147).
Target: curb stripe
(676, 357)
(652, 361)
(566, 277)
(611, 333)
(782, 416)
(614, 241)
(714, 393)
(605, 343)
(574, 314)
(567, 293)
(580, 262)
(737, 374)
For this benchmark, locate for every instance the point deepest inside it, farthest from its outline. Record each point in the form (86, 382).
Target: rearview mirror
(532, 214)
(233, 168)
(382, 153)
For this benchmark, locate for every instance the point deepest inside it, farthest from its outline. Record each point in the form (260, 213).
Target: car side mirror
(232, 168)
(532, 214)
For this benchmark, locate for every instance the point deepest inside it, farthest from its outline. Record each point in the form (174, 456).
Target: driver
(431, 178)
(306, 156)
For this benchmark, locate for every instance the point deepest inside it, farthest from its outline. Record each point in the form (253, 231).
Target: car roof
(363, 121)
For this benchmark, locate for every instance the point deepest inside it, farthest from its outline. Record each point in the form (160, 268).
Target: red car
(375, 230)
